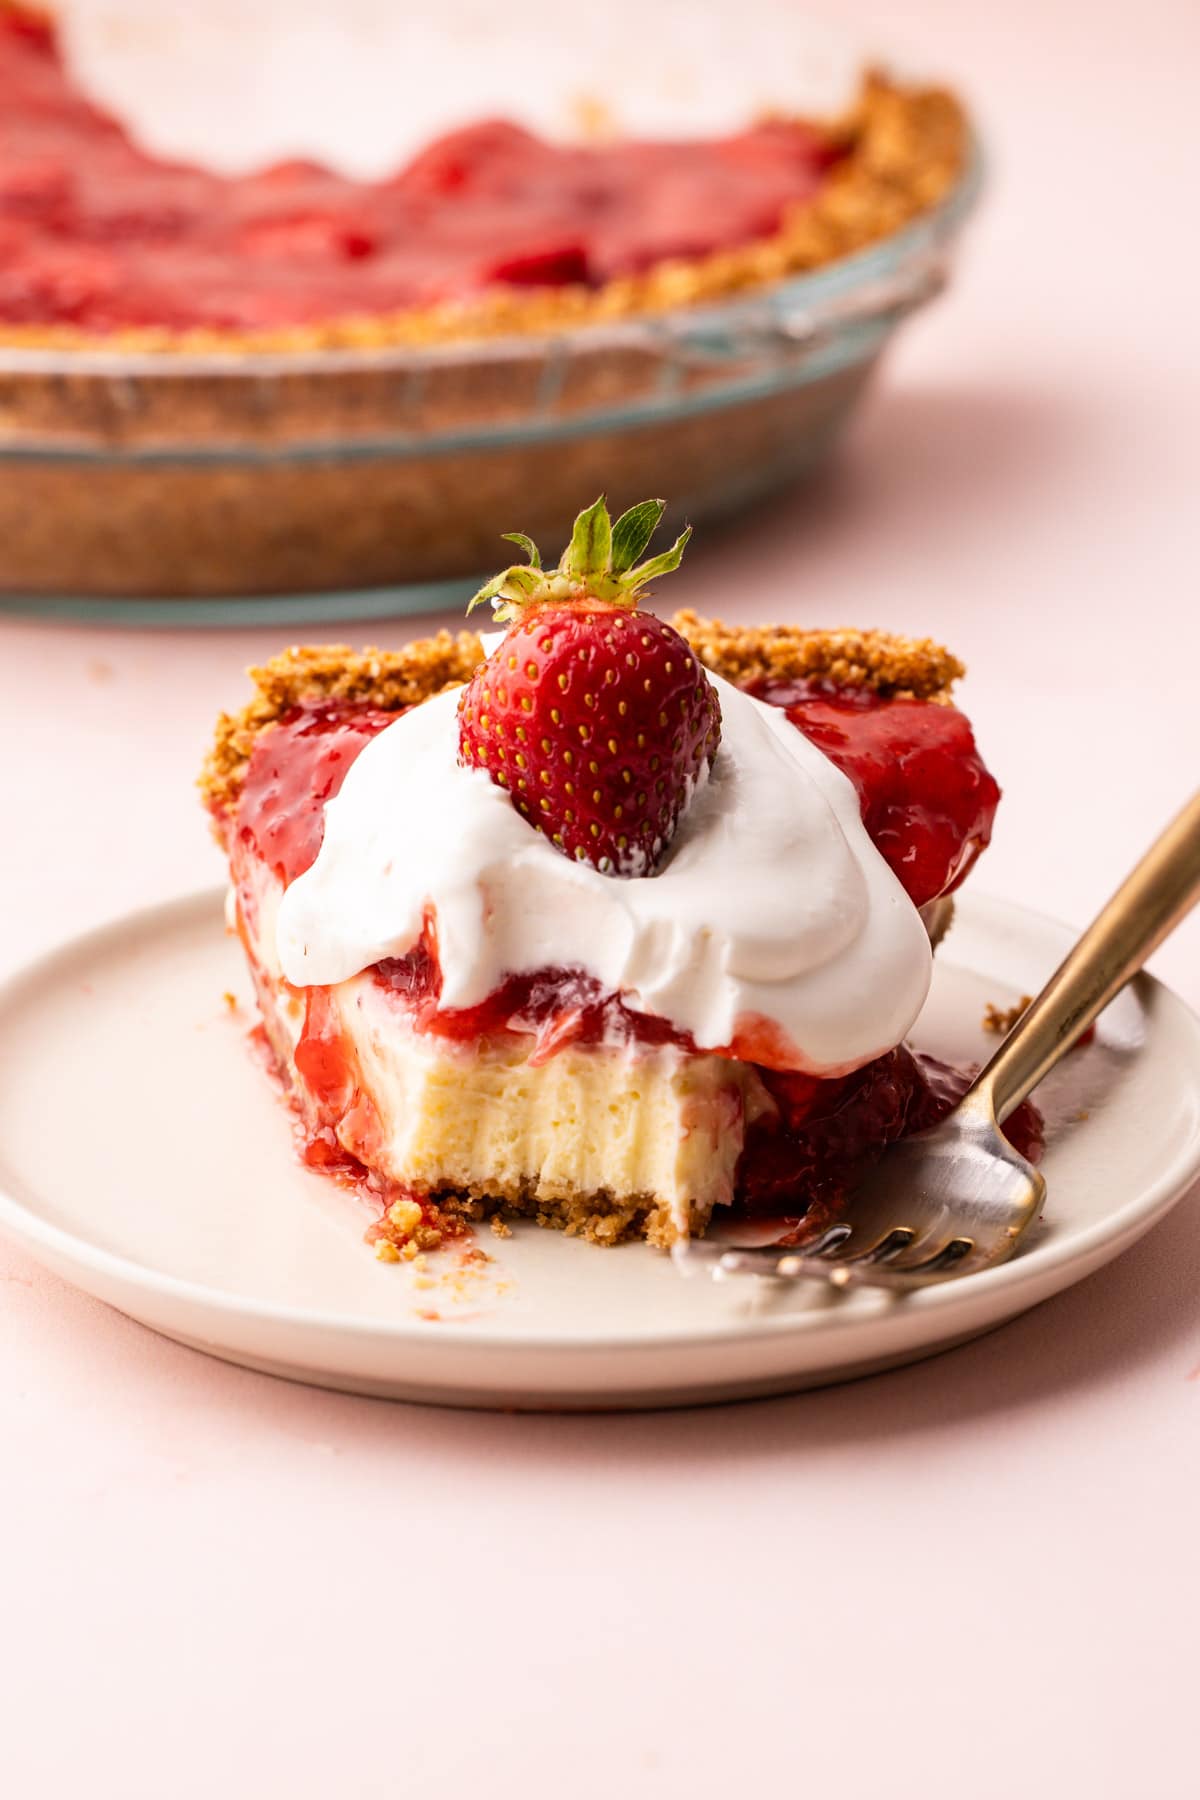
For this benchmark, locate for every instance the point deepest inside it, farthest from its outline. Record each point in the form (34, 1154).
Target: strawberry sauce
(97, 234)
(557, 1007)
(294, 770)
(828, 1131)
(927, 799)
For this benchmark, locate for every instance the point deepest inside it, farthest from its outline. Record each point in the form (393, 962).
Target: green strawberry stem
(599, 563)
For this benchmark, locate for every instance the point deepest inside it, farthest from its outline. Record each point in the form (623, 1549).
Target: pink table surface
(973, 1577)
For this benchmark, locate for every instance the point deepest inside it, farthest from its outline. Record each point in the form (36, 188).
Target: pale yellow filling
(623, 1120)
(615, 1123)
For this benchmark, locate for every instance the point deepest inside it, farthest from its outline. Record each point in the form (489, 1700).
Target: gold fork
(956, 1199)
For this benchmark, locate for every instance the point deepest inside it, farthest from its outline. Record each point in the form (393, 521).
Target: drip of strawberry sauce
(928, 804)
(318, 1145)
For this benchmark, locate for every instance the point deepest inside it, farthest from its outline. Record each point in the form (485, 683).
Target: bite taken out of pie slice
(603, 920)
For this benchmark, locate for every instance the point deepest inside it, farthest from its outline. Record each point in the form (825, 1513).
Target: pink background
(974, 1577)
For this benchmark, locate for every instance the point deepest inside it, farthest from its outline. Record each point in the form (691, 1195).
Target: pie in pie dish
(604, 920)
(489, 230)
(292, 382)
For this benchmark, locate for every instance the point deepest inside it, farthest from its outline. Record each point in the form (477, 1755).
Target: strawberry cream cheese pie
(601, 919)
(225, 378)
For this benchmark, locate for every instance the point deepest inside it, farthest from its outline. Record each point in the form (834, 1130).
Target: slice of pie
(607, 921)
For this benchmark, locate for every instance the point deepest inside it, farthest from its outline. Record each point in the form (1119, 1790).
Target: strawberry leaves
(661, 565)
(599, 563)
(526, 544)
(633, 531)
(589, 553)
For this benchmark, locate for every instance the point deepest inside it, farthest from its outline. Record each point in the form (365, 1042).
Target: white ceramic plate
(145, 1157)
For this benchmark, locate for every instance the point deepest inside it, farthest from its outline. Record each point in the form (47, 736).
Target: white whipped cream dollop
(772, 900)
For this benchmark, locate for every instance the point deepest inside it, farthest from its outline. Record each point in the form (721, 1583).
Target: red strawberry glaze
(927, 799)
(295, 768)
(97, 234)
(558, 1006)
(829, 1130)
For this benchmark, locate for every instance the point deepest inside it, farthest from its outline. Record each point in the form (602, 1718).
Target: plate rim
(20, 1223)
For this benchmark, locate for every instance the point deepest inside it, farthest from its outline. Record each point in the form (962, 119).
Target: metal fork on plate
(958, 1198)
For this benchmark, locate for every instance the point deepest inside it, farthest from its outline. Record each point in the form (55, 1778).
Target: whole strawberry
(598, 719)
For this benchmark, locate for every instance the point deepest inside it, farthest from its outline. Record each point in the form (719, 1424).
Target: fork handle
(1148, 905)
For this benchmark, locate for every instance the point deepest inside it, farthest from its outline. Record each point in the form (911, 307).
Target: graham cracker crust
(600, 1218)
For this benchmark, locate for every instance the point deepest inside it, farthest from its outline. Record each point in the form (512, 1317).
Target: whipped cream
(772, 900)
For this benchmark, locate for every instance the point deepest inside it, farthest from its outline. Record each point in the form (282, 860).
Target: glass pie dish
(296, 485)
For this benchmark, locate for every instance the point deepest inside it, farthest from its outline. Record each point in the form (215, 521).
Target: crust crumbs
(909, 668)
(391, 679)
(907, 148)
(1001, 1019)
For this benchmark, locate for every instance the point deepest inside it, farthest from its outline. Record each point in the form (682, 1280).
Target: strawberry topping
(295, 769)
(927, 799)
(827, 1131)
